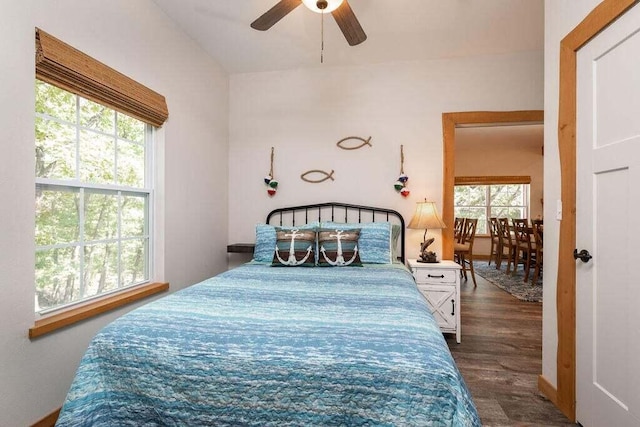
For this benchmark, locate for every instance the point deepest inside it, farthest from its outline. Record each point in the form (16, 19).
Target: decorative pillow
(295, 248)
(338, 248)
(266, 240)
(374, 242)
(395, 235)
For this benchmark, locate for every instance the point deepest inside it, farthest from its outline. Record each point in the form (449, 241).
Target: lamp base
(428, 257)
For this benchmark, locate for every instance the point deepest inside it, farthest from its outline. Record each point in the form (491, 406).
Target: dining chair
(526, 247)
(463, 250)
(496, 242)
(508, 244)
(538, 235)
(458, 225)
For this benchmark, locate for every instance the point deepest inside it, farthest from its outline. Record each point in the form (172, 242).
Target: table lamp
(426, 216)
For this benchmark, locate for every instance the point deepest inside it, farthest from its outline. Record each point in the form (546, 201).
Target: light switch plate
(559, 210)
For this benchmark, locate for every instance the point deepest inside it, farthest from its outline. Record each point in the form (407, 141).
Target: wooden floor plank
(500, 357)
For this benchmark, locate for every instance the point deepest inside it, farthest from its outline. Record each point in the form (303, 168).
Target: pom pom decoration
(401, 184)
(270, 182)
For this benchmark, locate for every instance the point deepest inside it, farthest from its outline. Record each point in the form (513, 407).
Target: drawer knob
(435, 277)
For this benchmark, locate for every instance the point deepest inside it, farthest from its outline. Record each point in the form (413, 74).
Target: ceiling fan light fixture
(339, 9)
(315, 5)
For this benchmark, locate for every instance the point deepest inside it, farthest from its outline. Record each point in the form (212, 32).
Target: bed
(260, 344)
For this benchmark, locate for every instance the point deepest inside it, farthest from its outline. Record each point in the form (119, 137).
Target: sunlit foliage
(92, 209)
(500, 201)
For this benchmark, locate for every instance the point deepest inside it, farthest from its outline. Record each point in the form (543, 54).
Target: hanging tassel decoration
(401, 183)
(272, 184)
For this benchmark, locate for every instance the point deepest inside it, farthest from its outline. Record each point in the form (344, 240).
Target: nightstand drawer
(434, 275)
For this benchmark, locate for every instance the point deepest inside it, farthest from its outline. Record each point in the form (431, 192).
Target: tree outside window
(92, 199)
(491, 200)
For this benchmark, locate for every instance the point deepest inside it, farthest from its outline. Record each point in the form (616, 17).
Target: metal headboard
(336, 212)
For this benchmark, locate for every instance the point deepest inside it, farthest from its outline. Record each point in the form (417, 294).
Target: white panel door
(608, 226)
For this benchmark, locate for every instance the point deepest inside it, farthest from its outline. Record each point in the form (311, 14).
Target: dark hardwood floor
(500, 357)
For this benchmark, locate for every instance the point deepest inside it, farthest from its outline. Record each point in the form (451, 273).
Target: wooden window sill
(94, 308)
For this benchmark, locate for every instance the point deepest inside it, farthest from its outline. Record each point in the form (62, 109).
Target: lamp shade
(426, 216)
(331, 5)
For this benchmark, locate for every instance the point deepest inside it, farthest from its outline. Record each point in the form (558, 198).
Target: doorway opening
(499, 173)
(453, 121)
(456, 126)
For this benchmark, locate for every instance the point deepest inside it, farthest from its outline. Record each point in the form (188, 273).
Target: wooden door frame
(597, 20)
(449, 123)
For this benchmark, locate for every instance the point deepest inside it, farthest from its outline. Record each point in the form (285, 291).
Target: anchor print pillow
(339, 248)
(266, 240)
(375, 240)
(295, 247)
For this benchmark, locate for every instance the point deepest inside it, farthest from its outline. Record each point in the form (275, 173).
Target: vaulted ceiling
(397, 30)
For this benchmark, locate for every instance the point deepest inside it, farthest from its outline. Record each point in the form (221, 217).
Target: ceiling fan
(340, 9)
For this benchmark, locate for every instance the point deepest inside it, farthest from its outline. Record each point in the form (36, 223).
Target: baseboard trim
(548, 390)
(49, 420)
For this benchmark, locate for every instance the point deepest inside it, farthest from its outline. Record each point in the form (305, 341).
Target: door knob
(584, 255)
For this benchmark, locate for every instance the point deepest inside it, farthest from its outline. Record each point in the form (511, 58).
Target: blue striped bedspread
(278, 346)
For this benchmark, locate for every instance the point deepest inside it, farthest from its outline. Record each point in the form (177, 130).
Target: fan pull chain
(322, 38)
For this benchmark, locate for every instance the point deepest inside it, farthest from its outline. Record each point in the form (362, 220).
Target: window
(93, 193)
(484, 201)
(93, 186)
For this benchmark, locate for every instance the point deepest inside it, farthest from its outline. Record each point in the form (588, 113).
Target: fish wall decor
(322, 176)
(356, 138)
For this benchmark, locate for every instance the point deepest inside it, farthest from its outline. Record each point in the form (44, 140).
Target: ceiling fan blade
(276, 13)
(349, 24)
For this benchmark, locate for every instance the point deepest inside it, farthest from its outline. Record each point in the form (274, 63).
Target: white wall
(561, 16)
(137, 39)
(303, 113)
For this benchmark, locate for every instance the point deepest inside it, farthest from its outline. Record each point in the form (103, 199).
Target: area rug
(512, 282)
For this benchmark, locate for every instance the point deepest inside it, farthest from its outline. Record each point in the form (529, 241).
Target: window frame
(487, 182)
(67, 68)
(80, 187)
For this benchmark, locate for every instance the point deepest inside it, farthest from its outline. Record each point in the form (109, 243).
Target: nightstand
(439, 282)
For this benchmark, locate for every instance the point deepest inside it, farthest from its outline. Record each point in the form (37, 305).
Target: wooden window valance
(489, 180)
(68, 68)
